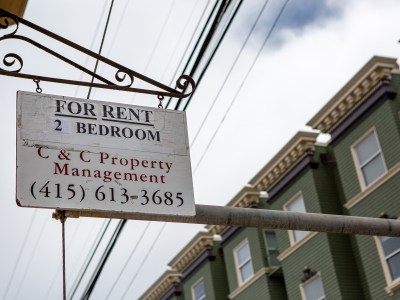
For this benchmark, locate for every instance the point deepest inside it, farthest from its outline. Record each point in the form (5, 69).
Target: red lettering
(40, 152)
(81, 156)
(58, 170)
(103, 156)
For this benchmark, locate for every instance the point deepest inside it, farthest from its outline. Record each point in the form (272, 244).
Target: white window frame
(201, 279)
(291, 233)
(391, 284)
(357, 164)
(238, 266)
(303, 284)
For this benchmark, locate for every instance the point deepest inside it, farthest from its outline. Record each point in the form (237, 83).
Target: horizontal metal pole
(262, 218)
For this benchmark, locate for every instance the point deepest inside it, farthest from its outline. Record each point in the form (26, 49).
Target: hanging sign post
(82, 154)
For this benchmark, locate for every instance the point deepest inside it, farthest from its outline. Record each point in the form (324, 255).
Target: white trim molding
(296, 246)
(391, 285)
(315, 277)
(372, 187)
(291, 233)
(238, 266)
(201, 279)
(356, 160)
(249, 282)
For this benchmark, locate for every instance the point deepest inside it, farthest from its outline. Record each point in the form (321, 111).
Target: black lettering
(80, 128)
(141, 136)
(121, 113)
(147, 112)
(115, 131)
(107, 110)
(134, 113)
(89, 107)
(60, 105)
(92, 128)
(103, 130)
(77, 107)
(156, 136)
(124, 132)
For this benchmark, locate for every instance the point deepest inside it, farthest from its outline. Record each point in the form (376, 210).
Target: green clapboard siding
(214, 276)
(264, 287)
(386, 125)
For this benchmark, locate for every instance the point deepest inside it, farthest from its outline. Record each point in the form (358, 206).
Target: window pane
(390, 245)
(297, 205)
(373, 169)
(314, 290)
(272, 248)
(367, 148)
(246, 271)
(273, 258)
(299, 234)
(271, 240)
(243, 253)
(394, 266)
(199, 292)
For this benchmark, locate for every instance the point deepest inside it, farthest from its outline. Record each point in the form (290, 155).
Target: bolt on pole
(262, 218)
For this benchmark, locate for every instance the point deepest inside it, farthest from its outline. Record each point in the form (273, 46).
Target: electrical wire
(229, 72)
(190, 42)
(101, 44)
(196, 44)
(88, 260)
(179, 41)
(129, 259)
(203, 71)
(207, 41)
(30, 259)
(92, 44)
(103, 260)
(19, 254)
(60, 264)
(155, 47)
(101, 264)
(144, 260)
(242, 83)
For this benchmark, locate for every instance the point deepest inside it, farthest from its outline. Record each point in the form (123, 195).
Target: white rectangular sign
(92, 155)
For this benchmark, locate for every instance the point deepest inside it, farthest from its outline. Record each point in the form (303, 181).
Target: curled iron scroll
(125, 77)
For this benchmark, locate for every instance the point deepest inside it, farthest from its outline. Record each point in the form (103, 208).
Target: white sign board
(92, 155)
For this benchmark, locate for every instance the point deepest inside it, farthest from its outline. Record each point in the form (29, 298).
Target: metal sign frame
(124, 77)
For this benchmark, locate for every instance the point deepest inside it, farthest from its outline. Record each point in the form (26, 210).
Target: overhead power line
(20, 254)
(242, 83)
(205, 68)
(129, 259)
(101, 44)
(103, 260)
(88, 260)
(118, 231)
(144, 260)
(229, 72)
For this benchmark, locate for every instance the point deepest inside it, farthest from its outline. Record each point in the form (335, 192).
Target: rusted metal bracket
(123, 78)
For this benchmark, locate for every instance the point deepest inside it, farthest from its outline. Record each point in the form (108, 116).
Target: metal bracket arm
(124, 77)
(261, 218)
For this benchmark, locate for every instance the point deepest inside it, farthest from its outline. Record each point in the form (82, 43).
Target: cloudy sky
(315, 48)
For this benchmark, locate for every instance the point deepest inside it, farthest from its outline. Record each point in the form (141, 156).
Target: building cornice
(162, 285)
(301, 144)
(377, 71)
(201, 242)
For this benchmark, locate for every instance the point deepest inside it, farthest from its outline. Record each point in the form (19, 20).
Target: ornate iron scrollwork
(12, 64)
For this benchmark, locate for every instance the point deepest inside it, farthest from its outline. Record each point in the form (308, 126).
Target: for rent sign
(92, 155)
